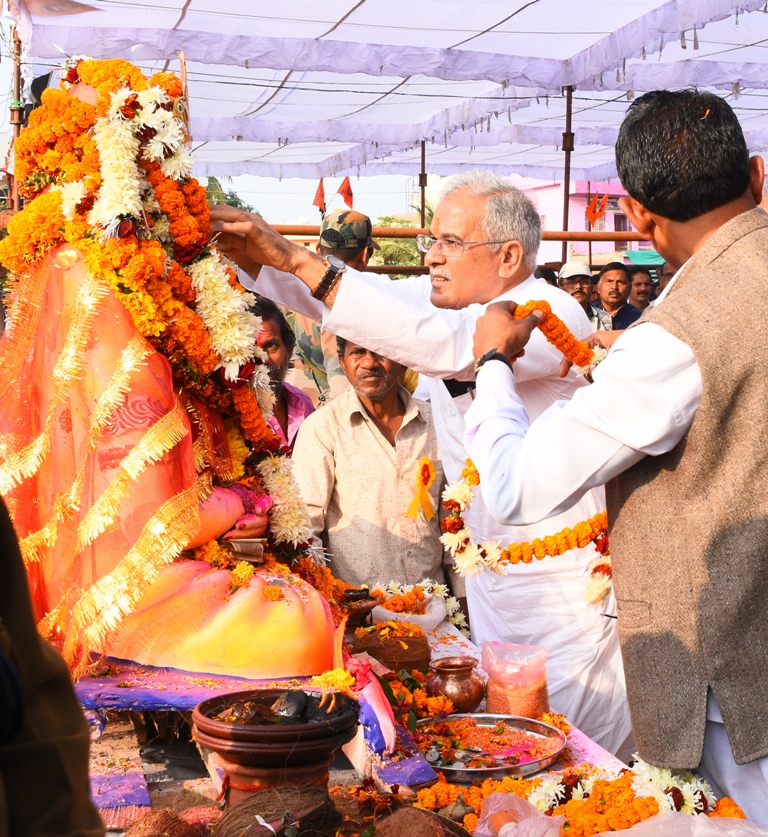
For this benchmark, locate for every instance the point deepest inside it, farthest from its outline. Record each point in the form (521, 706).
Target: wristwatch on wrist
(335, 268)
(493, 354)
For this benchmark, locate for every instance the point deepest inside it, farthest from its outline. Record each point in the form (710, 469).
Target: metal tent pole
(567, 148)
(589, 201)
(423, 187)
(17, 111)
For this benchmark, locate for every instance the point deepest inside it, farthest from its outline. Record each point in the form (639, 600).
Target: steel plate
(537, 728)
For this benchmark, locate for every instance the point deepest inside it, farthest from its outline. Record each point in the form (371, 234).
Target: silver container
(467, 775)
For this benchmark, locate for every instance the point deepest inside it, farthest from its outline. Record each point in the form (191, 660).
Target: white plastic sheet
(307, 89)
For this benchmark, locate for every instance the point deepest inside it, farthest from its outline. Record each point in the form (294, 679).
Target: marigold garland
(322, 579)
(590, 801)
(557, 333)
(470, 559)
(412, 598)
(112, 180)
(414, 601)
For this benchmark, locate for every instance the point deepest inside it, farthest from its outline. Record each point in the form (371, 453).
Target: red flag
(591, 210)
(319, 200)
(601, 206)
(345, 190)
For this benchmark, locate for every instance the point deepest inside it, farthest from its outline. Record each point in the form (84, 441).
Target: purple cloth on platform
(112, 790)
(146, 688)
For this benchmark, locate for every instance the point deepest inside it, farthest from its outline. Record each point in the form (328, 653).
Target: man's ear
(511, 258)
(640, 218)
(756, 178)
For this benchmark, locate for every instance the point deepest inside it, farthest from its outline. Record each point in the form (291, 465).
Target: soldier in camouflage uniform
(345, 234)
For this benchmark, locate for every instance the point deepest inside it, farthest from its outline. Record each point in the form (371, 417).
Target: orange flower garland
(49, 150)
(611, 806)
(608, 804)
(108, 76)
(414, 601)
(322, 579)
(469, 558)
(557, 333)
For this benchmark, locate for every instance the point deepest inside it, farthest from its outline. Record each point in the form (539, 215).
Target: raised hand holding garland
(470, 558)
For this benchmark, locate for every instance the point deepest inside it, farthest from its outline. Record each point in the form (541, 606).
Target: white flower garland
(289, 519)
(654, 781)
(262, 386)
(71, 195)
(648, 781)
(120, 192)
(225, 312)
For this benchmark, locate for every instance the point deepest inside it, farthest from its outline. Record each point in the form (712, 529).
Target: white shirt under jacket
(539, 604)
(643, 400)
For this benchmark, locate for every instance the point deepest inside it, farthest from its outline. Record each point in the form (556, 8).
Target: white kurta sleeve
(285, 289)
(642, 402)
(396, 319)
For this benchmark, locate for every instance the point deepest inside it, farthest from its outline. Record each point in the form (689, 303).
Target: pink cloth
(299, 407)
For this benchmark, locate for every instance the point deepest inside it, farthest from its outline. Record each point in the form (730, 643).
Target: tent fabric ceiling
(305, 89)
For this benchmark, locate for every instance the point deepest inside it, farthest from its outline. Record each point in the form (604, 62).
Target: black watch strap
(493, 354)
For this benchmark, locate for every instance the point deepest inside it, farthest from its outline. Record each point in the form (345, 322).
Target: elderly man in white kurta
(482, 247)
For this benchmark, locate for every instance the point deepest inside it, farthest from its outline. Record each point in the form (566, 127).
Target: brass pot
(456, 678)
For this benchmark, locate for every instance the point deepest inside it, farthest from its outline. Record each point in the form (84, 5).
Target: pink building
(548, 197)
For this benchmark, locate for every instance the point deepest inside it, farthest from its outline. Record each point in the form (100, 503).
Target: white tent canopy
(353, 86)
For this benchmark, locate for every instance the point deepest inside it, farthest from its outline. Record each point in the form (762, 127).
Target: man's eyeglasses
(449, 246)
(576, 280)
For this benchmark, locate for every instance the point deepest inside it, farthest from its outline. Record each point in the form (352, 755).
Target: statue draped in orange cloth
(132, 430)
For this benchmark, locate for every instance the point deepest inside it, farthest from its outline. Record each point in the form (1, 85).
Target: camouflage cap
(346, 228)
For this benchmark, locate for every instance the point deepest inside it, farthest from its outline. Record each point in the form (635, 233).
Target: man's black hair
(341, 344)
(547, 274)
(267, 310)
(633, 271)
(682, 153)
(346, 254)
(614, 266)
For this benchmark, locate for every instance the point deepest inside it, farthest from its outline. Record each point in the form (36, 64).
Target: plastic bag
(517, 679)
(434, 615)
(507, 815)
(672, 824)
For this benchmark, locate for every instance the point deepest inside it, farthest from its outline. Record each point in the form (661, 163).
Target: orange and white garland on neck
(470, 558)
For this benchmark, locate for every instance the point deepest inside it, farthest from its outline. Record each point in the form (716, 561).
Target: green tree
(400, 251)
(217, 194)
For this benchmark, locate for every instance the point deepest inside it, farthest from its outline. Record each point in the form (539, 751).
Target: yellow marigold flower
(338, 679)
(241, 575)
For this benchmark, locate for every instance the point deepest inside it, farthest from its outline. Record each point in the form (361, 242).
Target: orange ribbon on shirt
(425, 476)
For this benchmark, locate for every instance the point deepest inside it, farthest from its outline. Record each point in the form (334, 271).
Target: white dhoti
(543, 603)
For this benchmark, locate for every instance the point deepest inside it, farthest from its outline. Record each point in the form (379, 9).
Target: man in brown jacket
(675, 423)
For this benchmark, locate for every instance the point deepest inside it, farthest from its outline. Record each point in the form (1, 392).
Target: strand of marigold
(557, 333)
(454, 527)
(579, 536)
(256, 430)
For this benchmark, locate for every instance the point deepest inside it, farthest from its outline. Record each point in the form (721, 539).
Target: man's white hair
(509, 214)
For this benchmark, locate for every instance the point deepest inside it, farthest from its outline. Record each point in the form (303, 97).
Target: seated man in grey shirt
(357, 463)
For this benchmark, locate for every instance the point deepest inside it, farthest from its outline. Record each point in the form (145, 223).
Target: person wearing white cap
(575, 278)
